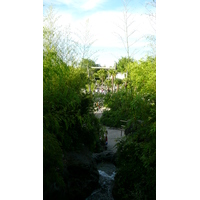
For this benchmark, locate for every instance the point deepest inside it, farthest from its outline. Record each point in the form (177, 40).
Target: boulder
(81, 176)
(105, 156)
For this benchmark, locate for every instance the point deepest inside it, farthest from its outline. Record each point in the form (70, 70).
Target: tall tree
(151, 13)
(122, 66)
(98, 82)
(118, 82)
(127, 31)
(68, 47)
(102, 75)
(113, 73)
(108, 84)
(85, 41)
(51, 32)
(127, 28)
(86, 64)
(58, 38)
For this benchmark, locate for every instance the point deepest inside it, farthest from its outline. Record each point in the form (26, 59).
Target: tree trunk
(89, 79)
(112, 83)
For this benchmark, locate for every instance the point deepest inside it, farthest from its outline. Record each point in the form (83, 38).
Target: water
(106, 181)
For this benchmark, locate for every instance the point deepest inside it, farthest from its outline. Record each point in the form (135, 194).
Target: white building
(121, 76)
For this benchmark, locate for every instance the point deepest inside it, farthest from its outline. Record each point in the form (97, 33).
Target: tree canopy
(123, 64)
(87, 62)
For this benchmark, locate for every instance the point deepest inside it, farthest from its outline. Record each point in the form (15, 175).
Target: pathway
(113, 134)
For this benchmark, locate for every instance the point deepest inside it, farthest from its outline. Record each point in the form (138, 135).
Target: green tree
(108, 84)
(102, 73)
(118, 82)
(98, 82)
(143, 75)
(86, 65)
(123, 67)
(112, 73)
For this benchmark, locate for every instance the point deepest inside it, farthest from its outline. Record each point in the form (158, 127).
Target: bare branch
(127, 26)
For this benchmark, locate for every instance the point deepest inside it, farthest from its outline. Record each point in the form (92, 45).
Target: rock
(81, 176)
(105, 156)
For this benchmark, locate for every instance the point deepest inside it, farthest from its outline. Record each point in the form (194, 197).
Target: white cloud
(57, 2)
(80, 4)
(103, 27)
(67, 2)
(90, 4)
(65, 19)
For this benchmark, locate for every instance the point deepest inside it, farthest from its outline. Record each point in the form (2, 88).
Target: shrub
(136, 153)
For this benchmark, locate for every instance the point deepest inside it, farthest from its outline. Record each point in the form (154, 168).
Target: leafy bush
(136, 153)
(136, 162)
(68, 119)
(119, 104)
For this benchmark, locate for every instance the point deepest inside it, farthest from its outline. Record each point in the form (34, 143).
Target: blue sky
(105, 19)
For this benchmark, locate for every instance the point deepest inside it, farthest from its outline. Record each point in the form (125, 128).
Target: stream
(106, 170)
(106, 181)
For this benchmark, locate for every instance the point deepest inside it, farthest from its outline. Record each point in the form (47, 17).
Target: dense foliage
(136, 154)
(123, 64)
(68, 120)
(69, 123)
(133, 103)
(119, 104)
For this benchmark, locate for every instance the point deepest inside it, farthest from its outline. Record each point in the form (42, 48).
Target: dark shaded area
(80, 176)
